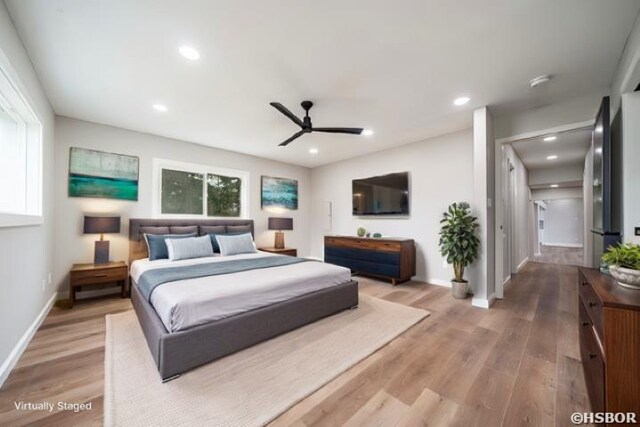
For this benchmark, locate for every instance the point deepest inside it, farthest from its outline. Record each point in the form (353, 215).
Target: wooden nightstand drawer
(82, 275)
(98, 275)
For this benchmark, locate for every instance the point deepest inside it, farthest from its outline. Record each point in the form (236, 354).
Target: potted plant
(459, 244)
(624, 264)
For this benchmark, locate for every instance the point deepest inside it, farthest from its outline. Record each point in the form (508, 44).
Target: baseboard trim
(564, 245)
(483, 302)
(445, 283)
(506, 283)
(522, 264)
(24, 341)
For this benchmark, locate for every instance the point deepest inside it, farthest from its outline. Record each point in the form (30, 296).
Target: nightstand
(97, 274)
(285, 251)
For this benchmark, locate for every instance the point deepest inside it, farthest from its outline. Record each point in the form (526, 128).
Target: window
(190, 190)
(20, 158)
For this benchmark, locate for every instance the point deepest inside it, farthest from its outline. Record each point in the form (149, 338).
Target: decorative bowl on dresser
(609, 317)
(387, 257)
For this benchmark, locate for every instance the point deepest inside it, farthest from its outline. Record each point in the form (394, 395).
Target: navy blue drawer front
(361, 266)
(392, 258)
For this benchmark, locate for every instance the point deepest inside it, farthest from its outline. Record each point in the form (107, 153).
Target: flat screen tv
(381, 195)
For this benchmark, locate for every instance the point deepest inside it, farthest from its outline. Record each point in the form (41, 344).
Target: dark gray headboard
(139, 226)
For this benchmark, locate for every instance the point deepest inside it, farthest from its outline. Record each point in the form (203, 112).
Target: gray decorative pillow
(238, 229)
(192, 247)
(234, 245)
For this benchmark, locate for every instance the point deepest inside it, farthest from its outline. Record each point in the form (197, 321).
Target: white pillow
(236, 244)
(192, 247)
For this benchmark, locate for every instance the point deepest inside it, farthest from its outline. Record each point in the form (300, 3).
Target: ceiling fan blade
(352, 131)
(286, 112)
(295, 135)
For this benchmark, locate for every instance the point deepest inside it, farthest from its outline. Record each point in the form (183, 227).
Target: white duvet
(187, 303)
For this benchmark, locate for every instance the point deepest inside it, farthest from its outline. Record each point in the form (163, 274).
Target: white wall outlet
(49, 281)
(44, 284)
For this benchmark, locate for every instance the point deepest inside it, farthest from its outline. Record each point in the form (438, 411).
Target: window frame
(160, 164)
(14, 99)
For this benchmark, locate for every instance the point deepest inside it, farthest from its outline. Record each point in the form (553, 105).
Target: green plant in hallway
(459, 244)
(624, 264)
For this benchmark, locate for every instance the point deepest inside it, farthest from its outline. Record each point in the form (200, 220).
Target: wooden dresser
(389, 258)
(609, 318)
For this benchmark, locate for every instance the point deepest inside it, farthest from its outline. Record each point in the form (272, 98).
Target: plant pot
(626, 277)
(459, 290)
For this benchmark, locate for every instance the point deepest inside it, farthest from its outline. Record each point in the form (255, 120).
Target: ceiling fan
(305, 123)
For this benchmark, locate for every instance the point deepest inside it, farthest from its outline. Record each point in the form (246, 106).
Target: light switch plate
(637, 231)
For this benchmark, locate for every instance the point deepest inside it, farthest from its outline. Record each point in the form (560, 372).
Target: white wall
(631, 165)
(557, 193)
(440, 173)
(564, 223)
(25, 252)
(570, 111)
(484, 159)
(627, 74)
(69, 210)
(555, 175)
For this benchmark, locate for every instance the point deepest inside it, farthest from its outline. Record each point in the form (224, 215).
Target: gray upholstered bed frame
(180, 351)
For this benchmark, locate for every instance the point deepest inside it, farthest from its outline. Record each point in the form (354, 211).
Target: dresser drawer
(592, 304)
(363, 254)
(101, 275)
(378, 245)
(592, 361)
(360, 266)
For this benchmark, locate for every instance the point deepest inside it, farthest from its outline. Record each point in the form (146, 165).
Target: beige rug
(248, 388)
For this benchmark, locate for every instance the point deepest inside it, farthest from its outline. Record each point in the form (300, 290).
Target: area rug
(248, 388)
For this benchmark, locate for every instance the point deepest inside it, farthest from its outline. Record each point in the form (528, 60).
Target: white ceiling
(394, 67)
(570, 147)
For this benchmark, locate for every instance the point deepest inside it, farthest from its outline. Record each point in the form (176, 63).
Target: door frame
(500, 167)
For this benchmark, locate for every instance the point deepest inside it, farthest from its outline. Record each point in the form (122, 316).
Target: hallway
(560, 255)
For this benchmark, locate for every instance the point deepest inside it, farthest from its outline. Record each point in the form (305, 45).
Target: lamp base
(101, 252)
(279, 242)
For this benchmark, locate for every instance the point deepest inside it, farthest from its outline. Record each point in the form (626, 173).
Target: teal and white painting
(104, 175)
(279, 193)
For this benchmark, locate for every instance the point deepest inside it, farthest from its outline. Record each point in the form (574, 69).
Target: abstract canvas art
(279, 193)
(105, 175)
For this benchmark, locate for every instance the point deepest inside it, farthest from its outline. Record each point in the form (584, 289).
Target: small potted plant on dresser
(624, 264)
(459, 244)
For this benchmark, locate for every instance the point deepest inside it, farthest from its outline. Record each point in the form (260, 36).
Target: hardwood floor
(560, 255)
(515, 364)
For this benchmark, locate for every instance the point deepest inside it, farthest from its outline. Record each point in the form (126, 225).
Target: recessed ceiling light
(461, 101)
(554, 186)
(367, 132)
(538, 80)
(553, 157)
(189, 53)
(313, 150)
(550, 138)
(599, 129)
(160, 107)
(599, 150)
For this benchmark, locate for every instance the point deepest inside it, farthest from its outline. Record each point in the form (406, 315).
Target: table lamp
(101, 225)
(280, 224)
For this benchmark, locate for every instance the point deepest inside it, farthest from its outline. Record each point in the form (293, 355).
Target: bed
(194, 321)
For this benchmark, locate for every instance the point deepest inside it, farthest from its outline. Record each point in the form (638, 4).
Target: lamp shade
(101, 224)
(280, 223)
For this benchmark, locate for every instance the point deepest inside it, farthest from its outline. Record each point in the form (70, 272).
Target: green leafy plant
(458, 240)
(625, 255)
